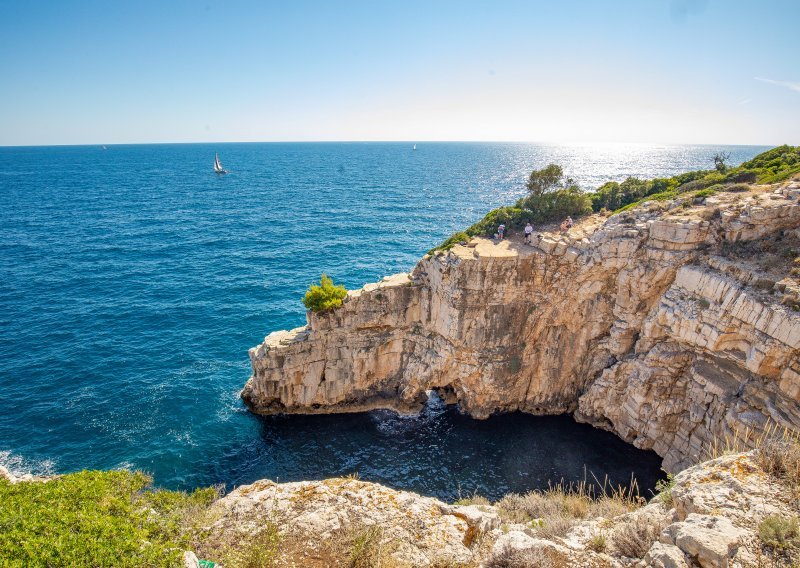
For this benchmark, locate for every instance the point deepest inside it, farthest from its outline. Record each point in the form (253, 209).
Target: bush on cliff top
(96, 518)
(324, 296)
(772, 166)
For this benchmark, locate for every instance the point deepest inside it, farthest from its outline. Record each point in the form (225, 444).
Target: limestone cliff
(658, 323)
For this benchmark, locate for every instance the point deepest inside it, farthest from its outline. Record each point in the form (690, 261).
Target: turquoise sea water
(133, 280)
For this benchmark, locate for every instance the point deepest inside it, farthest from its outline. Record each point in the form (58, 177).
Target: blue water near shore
(133, 280)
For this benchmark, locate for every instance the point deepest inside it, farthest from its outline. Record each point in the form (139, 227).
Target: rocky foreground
(709, 518)
(674, 324)
(739, 510)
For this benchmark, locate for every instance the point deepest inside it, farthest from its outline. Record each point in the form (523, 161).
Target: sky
(568, 71)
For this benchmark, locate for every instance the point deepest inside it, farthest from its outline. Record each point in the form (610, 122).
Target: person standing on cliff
(501, 230)
(528, 233)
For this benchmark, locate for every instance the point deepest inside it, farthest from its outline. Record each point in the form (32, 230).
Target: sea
(133, 280)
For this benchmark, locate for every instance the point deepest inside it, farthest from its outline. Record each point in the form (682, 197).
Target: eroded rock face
(641, 323)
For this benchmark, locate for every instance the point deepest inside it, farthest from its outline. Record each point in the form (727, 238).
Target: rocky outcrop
(12, 478)
(710, 519)
(645, 323)
(320, 523)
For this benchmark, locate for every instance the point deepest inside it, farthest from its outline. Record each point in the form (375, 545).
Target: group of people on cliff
(565, 226)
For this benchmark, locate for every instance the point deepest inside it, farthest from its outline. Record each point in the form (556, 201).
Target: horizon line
(531, 142)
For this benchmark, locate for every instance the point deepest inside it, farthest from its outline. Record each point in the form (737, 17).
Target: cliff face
(659, 324)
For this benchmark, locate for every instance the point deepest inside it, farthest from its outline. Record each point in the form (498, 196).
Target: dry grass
(555, 511)
(664, 490)
(780, 533)
(259, 550)
(634, 538)
(361, 546)
(597, 543)
(748, 439)
(510, 557)
(781, 459)
(774, 254)
(474, 499)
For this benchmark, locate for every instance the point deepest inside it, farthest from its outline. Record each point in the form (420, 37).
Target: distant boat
(104, 148)
(415, 147)
(218, 166)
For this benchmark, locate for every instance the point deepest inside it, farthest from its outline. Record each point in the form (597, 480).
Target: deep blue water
(133, 280)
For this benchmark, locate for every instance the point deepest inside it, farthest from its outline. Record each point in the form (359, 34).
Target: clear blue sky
(653, 71)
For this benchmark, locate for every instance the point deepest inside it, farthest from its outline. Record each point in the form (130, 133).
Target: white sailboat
(218, 166)
(415, 147)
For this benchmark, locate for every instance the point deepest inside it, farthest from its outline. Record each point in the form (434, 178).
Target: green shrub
(681, 179)
(741, 176)
(96, 518)
(703, 193)
(546, 179)
(664, 489)
(554, 206)
(774, 165)
(779, 533)
(698, 184)
(552, 197)
(452, 241)
(737, 187)
(597, 543)
(512, 217)
(324, 296)
(259, 550)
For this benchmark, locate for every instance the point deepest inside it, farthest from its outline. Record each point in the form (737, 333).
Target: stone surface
(712, 521)
(710, 539)
(12, 478)
(315, 516)
(665, 556)
(190, 560)
(637, 323)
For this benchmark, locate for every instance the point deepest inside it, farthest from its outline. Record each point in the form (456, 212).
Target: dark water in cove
(133, 280)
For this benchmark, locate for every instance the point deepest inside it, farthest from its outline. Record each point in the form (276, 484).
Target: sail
(217, 165)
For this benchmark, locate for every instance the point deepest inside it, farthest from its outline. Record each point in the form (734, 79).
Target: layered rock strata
(645, 323)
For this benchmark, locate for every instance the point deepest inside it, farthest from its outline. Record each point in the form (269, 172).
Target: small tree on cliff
(546, 179)
(553, 196)
(324, 296)
(719, 161)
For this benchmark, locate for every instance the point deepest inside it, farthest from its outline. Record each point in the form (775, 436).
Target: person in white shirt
(501, 230)
(528, 233)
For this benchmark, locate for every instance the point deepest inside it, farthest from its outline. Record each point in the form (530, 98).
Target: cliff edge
(713, 516)
(672, 324)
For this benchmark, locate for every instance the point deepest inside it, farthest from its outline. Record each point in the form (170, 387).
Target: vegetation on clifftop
(324, 296)
(552, 196)
(96, 518)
